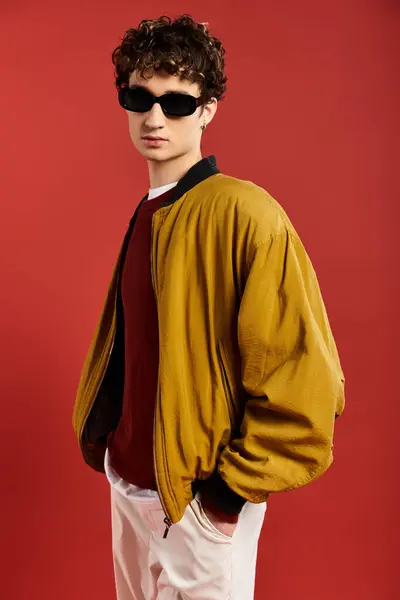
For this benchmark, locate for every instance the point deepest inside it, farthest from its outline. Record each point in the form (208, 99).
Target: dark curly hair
(180, 46)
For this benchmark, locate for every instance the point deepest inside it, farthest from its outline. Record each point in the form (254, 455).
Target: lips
(154, 143)
(155, 139)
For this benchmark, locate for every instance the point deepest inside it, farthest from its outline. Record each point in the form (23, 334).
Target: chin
(155, 154)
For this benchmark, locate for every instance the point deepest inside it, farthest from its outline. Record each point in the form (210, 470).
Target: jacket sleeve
(291, 372)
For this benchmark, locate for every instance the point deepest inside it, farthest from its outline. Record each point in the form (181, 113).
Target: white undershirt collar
(154, 192)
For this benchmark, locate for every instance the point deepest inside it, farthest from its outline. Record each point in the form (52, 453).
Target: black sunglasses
(173, 104)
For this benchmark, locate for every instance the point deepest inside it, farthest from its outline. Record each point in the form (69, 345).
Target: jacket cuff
(217, 493)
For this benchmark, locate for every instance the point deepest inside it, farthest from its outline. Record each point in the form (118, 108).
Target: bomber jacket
(249, 379)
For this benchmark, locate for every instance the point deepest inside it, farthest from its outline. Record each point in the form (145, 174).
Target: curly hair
(181, 46)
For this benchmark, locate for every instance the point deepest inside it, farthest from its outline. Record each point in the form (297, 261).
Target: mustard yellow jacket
(250, 381)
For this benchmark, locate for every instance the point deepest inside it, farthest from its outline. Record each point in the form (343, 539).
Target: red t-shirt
(131, 445)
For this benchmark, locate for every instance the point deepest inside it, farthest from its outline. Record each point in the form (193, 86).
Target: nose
(155, 117)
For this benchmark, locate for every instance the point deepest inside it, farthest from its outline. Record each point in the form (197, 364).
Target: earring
(203, 126)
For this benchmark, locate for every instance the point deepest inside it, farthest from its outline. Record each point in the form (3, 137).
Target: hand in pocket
(222, 526)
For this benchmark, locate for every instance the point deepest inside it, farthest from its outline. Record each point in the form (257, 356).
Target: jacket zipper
(167, 520)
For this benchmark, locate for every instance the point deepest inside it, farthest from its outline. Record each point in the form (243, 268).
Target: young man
(213, 379)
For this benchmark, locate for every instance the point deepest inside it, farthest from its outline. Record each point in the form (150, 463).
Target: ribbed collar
(200, 171)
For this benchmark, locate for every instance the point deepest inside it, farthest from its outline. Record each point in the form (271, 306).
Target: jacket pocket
(228, 387)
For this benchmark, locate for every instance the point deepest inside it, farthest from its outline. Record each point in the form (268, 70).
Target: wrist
(208, 504)
(218, 496)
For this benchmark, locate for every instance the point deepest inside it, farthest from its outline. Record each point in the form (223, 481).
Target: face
(182, 134)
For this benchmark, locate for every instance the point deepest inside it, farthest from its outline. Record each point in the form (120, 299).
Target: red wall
(310, 115)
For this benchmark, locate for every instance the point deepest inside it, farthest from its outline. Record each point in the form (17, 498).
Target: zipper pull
(168, 525)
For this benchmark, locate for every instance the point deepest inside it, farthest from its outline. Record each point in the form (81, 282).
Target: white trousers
(194, 562)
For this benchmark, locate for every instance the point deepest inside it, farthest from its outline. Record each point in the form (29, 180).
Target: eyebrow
(170, 91)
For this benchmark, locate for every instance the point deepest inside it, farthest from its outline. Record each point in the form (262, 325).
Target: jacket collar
(200, 171)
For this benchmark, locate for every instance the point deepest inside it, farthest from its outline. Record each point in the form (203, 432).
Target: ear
(210, 109)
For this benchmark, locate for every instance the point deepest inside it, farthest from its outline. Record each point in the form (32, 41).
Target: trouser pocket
(205, 524)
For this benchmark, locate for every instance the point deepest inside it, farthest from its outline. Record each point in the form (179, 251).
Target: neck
(169, 171)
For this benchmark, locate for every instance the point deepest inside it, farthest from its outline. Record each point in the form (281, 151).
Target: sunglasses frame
(157, 100)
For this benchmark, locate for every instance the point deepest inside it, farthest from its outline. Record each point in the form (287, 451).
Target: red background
(311, 114)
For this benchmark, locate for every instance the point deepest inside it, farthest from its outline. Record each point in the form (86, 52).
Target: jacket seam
(321, 469)
(272, 236)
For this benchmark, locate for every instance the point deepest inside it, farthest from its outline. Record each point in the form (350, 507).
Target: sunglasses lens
(136, 100)
(178, 105)
(140, 100)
